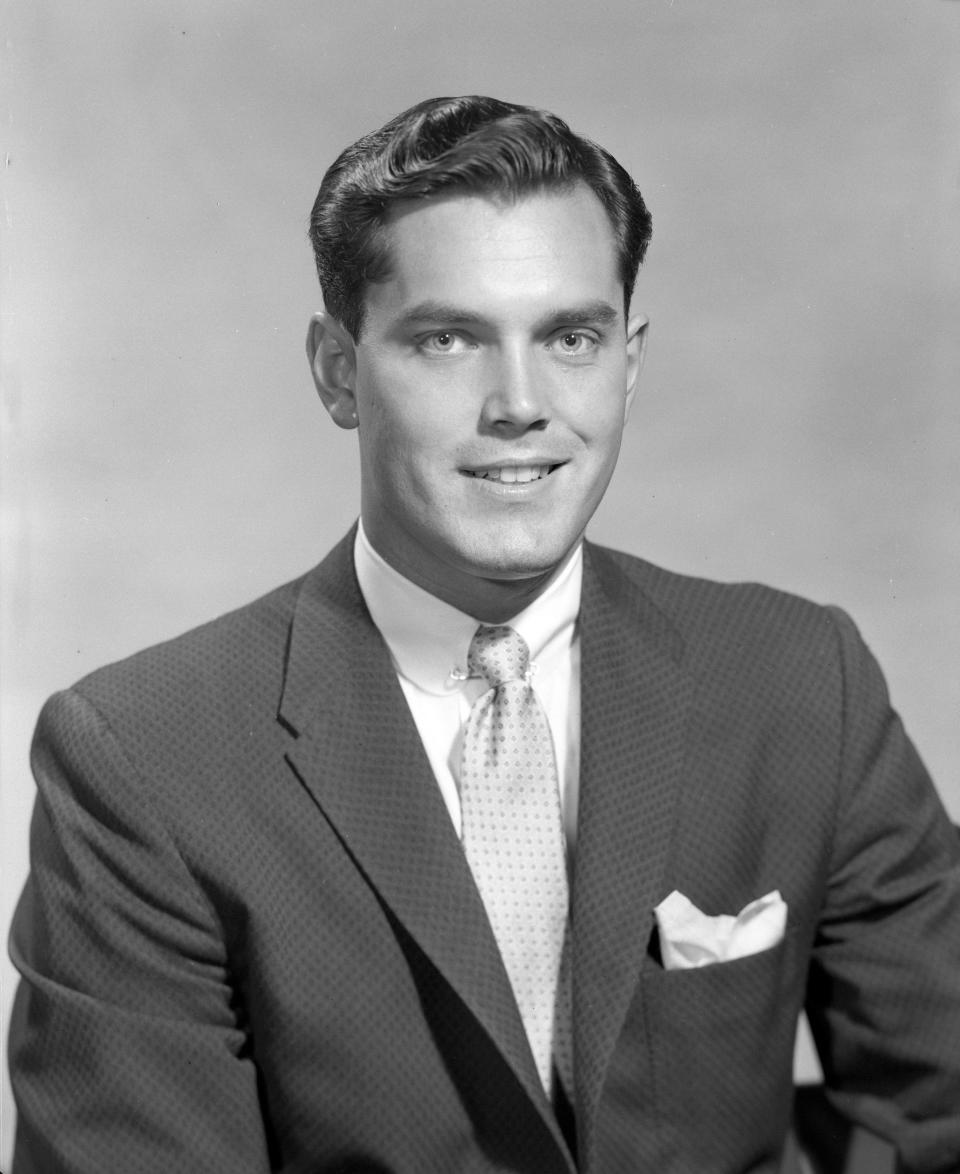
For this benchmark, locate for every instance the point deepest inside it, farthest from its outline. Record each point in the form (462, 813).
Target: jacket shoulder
(246, 643)
(748, 622)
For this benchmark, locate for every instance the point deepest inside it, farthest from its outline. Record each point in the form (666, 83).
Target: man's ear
(637, 329)
(333, 364)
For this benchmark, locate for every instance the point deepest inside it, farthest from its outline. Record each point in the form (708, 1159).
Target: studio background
(165, 456)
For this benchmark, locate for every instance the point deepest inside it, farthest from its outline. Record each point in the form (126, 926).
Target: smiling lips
(510, 474)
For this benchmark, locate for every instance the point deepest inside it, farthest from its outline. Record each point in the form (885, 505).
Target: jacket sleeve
(884, 988)
(126, 1053)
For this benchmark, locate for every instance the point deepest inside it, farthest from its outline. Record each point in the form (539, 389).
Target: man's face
(491, 385)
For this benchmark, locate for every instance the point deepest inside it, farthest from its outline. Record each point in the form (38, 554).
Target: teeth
(515, 473)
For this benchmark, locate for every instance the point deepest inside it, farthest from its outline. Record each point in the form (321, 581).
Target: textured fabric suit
(251, 941)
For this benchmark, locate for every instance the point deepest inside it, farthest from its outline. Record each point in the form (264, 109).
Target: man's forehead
(475, 244)
(410, 213)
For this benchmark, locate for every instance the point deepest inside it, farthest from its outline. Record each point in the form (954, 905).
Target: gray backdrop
(165, 457)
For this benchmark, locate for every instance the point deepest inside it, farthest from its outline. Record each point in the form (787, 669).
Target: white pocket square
(690, 938)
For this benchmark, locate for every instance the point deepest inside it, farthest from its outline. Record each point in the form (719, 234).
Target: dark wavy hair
(468, 144)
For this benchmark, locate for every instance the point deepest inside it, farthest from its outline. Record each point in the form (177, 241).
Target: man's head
(476, 334)
(465, 145)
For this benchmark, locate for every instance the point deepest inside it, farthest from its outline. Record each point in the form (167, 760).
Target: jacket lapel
(358, 752)
(634, 706)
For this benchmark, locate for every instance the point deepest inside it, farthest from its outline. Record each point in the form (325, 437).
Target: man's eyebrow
(437, 312)
(599, 313)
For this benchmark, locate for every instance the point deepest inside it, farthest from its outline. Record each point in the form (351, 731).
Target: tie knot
(498, 653)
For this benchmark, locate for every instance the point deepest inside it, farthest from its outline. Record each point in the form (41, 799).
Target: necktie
(513, 838)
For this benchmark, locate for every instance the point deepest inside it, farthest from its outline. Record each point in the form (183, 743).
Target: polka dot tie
(513, 838)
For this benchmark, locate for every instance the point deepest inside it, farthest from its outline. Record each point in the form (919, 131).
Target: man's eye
(575, 342)
(442, 342)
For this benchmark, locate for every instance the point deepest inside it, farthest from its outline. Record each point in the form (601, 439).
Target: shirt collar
(428, 639)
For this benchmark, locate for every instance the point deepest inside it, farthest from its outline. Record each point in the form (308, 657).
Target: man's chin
(513, 565)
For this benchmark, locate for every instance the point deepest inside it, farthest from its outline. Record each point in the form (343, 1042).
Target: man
(402, 867)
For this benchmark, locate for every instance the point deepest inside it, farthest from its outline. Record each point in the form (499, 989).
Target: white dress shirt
(428, 642)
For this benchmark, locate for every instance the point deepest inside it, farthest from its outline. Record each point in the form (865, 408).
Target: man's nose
(516, 394)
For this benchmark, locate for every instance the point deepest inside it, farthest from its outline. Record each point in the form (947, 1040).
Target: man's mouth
(513, 474)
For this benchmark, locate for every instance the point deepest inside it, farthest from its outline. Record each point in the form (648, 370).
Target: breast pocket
(720, 1039)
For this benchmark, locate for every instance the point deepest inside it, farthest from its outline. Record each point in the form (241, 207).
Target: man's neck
(493, 601)
(488, 600)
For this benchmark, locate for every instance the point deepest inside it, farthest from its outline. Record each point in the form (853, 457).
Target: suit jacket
(250, 940)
